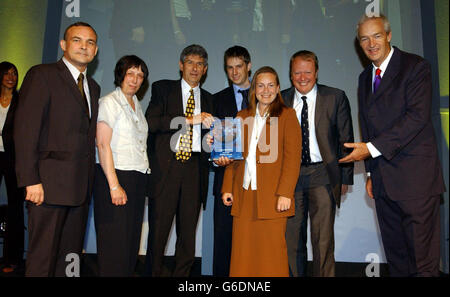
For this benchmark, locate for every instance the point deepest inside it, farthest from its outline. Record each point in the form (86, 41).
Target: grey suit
(319, 186)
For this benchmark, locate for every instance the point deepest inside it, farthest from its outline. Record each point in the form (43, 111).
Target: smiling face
(266, 89)
(237, 71)
(303, 75)
(193, 68)
(374, 40)
(132, 81)
(9, 80)
(80, 46)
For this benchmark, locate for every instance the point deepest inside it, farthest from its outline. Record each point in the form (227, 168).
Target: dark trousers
(313, 196)
(223, 227)
(54, 232)
(13, 245)
(410, 232)
(118, 228)
(180, 198)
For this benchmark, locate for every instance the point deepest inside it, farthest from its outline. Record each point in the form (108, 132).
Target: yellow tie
(185, 147)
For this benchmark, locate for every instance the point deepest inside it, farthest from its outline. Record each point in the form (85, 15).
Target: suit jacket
(166, 104)
(54, 137)
(7, 131)
(333, 123)
(224, 106)
(277, 164)
(397, 121)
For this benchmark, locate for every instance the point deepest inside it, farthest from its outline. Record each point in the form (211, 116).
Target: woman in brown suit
(261, 187)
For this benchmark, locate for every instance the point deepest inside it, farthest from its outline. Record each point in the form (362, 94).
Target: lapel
(321, 106)
(247, 131)
(94, 100)
(231, 101)
(176, 98)
(392, 71)
(289, 97)
(71, 85)
(204, 106)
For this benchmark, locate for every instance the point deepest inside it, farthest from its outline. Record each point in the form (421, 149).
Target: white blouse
(3, 115)
(250, 162)
(129, 137)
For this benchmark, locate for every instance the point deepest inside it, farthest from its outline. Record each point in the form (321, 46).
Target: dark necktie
(244, 94)
(306, 157)
(185, 148)
(377, 80)
(83, 94)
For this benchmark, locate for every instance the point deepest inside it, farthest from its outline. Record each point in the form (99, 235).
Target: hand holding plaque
(227, 140)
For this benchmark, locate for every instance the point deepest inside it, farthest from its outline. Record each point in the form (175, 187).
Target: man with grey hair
(404, 174)
(180, 169)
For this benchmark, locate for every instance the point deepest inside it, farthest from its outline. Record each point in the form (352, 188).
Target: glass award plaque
(227, 138)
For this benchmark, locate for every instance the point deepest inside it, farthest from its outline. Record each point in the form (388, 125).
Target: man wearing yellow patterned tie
(179, 179)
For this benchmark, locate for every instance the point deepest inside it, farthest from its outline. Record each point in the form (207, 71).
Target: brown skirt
(258, 245)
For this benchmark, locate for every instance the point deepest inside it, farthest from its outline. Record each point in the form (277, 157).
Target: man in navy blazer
(399, 146)
(227, 103)
(54, 136)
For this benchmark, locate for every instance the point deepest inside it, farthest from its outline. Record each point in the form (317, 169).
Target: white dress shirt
(197, 129)
(298, 105)
(3, 115)
(129, 138)
(76, 73)
(250, 162)
(374, 152)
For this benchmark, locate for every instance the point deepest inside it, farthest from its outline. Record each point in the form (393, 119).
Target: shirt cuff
(373, 150)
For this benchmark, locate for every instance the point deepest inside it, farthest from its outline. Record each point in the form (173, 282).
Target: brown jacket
(277, 164)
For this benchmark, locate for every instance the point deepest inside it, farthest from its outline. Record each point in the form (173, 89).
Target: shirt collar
(123, 99)
(385, 63)
(258, 115)
(311, 94)
(73, 70)
(236, 88)
(185, 87)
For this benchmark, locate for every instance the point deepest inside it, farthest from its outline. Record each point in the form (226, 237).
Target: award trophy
(227, 139)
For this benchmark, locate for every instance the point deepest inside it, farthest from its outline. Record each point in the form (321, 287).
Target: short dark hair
(125, 63)
(194, 49)
(276, 107)
(304, 55)
(5, 66)
(79, 24)
(237, 51)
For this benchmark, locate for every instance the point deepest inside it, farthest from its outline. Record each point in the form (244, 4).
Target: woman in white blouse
(121, 175)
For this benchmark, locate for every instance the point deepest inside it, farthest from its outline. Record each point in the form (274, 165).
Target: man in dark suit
(399, 146)
(325, 117)
(227, 103)
(180, 168)
(54, 134)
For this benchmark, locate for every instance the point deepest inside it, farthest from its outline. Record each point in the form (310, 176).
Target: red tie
(377, 81)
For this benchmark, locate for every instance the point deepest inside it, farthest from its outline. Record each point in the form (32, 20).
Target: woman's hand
(283, 204)
(223, 161)
(118, 196)
(227, 199)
